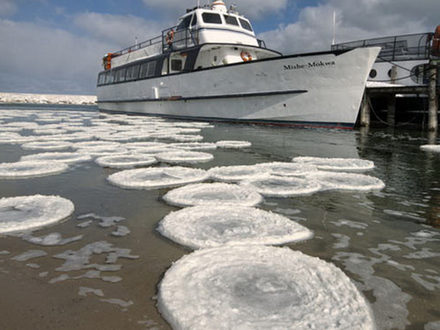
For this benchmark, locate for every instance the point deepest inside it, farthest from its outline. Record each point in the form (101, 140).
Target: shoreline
(29, 98)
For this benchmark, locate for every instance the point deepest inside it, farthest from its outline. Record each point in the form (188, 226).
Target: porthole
(373, 73)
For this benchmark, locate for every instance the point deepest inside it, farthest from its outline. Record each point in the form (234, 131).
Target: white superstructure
(211, 66)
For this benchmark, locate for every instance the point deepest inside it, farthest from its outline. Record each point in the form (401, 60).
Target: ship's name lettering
(310, 65)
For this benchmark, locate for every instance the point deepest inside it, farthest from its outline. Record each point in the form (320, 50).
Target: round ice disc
(337, 164)
(212, 194)
(29, 212)
(430, 147)
(260, 287)
(47, 145)
(125, 161)
(202, 227)
(157, 177)
(347, 181)
(195, 146)
(288, 169)
(62, 157)
(28, 169)
(276, 186)
(184, 157)
(231, 144)
(237, 173)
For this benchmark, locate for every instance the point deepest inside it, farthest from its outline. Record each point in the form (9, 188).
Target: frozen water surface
(212, 194)
(184, 157)
(30, 168)
(259, 287)
(154, 178)
(30, 212)
(62, 157)
(231, 144)
(276, 186)
(47, 145)
(125, 161)
(347, 181)
(202, 227)
(337, 164)
(288, 169)
(237, 173)
(194, 146)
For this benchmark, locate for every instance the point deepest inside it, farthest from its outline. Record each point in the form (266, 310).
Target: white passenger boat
(212, 67)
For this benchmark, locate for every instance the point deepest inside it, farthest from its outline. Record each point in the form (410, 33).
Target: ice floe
(275, 186)
(287, 169)
(260, 287)
(237, 173)
(125, 161)
(430, 147)
(213, 194)
(29, 169)
(231, 144)
(30, 212)
(194, 145)
(47, 145)
(346, 181)
(337, 164)
(47, 98)
(160, 177)
(60, 157)
(202, 227)
(184, 157)
(52, 239)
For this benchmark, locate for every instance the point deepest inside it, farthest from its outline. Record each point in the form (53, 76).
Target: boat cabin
(204, 37)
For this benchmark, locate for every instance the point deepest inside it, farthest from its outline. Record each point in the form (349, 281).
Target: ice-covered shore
(47, 98)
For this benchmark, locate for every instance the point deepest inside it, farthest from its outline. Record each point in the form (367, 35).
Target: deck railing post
(433, 97)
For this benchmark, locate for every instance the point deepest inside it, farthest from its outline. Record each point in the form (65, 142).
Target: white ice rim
(260, 287)
(213, 194)
(183, 156)
(41, 211)
(125, 161)
(202, 227)
(157, 177)
(30, 169)
(237, 173)
(233, 144)
(60, 157)
(347, 181)
(288, 169)
(277, 186)
(430, 147)
(46, 145)
(337, 164)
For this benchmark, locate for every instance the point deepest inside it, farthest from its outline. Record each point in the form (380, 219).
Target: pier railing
(396, 48)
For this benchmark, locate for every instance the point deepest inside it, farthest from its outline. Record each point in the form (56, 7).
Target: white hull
(316, 89)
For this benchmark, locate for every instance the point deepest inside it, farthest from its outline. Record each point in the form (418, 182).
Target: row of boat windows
(136, 71)
(213, 18)
(133, 72)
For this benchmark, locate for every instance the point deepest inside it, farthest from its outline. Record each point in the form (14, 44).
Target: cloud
(7, 8)
(118, 29)
(253, 9)
(41, 59)
(355, 20)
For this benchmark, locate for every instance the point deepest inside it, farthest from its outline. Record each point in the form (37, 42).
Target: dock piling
(433, 97)
(365, 111)
(391, 116)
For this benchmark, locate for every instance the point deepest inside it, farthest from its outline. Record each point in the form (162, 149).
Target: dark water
(387, 242)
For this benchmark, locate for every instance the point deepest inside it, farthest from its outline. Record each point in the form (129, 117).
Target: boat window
(133, 72)
(101, 79)
(151, 69)
(184, 23)
(245, 24)
(212, 18)
(194, 21)
(120, 75)
(176, 65)
(144, 70)
(109, 77)
(231, 20)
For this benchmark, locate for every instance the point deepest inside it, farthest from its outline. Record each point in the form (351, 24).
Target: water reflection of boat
(211, 66)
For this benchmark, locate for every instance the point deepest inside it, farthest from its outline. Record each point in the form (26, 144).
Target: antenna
(334, 27)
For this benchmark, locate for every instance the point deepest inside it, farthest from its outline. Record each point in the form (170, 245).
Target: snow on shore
(47, 98)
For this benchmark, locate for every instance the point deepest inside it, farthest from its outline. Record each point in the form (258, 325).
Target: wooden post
(365, 110)
(433, 98)
(391, 115)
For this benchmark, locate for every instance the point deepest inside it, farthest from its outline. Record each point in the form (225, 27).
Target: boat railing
(396, 48)
(144, 44)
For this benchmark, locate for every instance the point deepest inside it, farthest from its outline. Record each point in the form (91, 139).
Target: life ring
(245, 56)
(169, 37)
(435, 50)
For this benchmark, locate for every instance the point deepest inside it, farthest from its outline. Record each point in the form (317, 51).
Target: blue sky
(53, 46)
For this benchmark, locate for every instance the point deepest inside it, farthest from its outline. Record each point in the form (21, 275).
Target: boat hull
(323, 89)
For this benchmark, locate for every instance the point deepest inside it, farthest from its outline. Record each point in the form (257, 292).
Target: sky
(56, 46)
